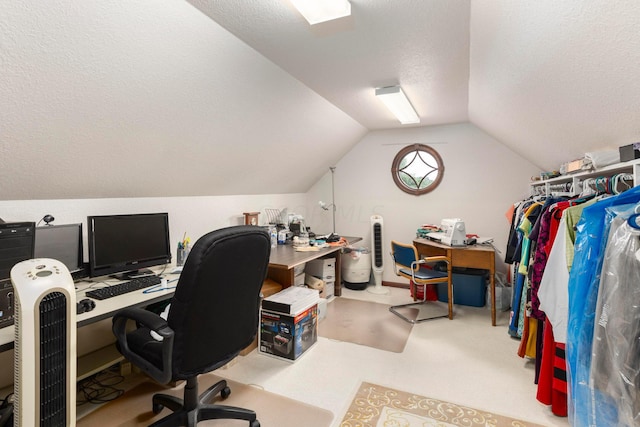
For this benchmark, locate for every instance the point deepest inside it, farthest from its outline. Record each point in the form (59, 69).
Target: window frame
(395, 168)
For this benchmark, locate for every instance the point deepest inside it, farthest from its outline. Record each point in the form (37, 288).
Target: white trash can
(356, 268)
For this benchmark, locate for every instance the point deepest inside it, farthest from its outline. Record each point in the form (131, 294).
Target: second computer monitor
(62, 243)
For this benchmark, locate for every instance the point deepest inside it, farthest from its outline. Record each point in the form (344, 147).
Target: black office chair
(213, 316)
(409, 265)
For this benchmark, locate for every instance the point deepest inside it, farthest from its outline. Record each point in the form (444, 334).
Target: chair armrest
(145, 317)
(156, 324)
(430, 259)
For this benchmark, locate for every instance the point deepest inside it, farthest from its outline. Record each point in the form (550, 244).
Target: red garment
(554, 223)
(552, 383)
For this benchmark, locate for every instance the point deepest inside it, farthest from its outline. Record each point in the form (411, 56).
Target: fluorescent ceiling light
(316, 11)
(397, 102)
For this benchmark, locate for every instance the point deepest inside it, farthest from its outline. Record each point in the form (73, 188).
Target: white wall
(105, 88)
(193, 215)
(482, 179)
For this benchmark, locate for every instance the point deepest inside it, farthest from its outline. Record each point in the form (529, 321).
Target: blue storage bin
(469, 288)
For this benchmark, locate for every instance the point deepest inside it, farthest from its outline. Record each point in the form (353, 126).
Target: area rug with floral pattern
(379, 406)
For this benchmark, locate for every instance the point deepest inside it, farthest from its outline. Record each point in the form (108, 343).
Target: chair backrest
(214, 312)
(403, 254)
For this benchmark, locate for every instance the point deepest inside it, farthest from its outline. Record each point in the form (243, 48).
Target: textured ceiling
(131, 98)
(550, 79)
(422, 45)
(556, 79)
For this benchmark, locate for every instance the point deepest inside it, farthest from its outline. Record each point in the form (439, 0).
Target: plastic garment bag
(615, 363)
(584, 281)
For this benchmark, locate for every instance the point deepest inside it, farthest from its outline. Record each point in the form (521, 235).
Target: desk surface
(476, 256)
(104, 308)
(423, 241)
(282, 257)
(286, 257)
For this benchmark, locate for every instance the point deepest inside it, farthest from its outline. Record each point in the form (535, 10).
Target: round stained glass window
(417, 169)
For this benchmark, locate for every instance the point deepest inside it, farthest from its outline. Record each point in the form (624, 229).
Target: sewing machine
(453, 233)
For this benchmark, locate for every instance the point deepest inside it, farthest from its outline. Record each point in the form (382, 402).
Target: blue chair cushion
(425, 274)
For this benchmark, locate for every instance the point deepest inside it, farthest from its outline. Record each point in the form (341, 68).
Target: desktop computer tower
(7, 302)
(17, 241)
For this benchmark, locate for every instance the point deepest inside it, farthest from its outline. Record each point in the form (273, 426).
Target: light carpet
(379, 406)
(134, 407)
(366, 323)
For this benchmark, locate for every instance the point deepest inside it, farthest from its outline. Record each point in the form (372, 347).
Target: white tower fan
(45, 344)
(377, 264)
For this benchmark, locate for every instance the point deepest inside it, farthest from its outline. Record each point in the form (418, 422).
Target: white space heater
(377, 264)
(45, 344)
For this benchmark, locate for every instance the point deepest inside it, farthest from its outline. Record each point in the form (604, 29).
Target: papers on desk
(436, 236)
(484, 240)
(306, 248)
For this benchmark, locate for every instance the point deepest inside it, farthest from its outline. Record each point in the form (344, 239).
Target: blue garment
(584, 280)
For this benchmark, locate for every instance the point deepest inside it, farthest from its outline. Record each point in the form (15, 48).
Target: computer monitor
(63, 243)
(127, 244)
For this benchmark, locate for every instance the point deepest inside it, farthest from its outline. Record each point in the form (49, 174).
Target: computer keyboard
(124, 287)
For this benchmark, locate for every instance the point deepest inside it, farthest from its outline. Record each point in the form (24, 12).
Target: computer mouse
(85, 305)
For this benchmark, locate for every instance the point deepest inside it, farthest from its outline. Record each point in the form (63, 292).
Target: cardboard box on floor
(288, 336)
(269, 287)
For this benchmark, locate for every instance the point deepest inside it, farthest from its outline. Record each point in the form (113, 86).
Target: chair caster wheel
(225, 392)
(157, 408)
(254, 423)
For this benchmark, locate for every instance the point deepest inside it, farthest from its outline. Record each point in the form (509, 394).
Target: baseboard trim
(395, 284)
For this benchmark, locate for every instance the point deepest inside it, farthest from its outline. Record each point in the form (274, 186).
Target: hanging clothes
(543, 235)
(553, 298)
(516, 325)
(552, 386)
(583, 291)
(615, 364)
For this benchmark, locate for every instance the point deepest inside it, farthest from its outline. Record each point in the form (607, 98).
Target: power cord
(6, 411)
(99, 388)
(8, 400)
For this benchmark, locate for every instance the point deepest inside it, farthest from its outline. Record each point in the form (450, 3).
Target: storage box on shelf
(325, 270)
(630, 152)
(549, 186)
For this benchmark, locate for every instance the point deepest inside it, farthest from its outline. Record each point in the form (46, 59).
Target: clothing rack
(612, 179)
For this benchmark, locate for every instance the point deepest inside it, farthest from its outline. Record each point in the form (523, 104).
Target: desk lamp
(326, 207)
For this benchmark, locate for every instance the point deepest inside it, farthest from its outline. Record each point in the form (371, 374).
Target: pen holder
(183, 253)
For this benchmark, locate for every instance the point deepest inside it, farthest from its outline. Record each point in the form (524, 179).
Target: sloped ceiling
(132, 98)
(550, 79)
(556, 79)
(422, 45)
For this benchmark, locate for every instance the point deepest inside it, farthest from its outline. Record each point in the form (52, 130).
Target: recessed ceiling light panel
(316, 11)
(398, 103)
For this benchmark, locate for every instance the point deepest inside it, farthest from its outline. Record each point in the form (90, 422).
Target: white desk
(104, 308)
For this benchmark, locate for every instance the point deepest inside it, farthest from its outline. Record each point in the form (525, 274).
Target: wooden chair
(421, 272)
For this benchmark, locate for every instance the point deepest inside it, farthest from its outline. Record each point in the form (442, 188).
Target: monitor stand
(134, 274)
